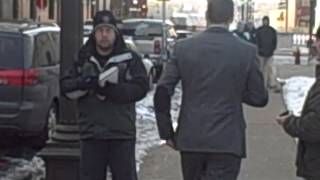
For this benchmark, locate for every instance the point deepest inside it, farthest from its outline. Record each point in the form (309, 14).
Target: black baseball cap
(104, 18)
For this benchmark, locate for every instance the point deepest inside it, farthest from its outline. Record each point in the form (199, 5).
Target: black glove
(68, 84)
(88, 79)
(104, 90)
(87, 83)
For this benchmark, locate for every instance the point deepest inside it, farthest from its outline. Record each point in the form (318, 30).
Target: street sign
(41, 4)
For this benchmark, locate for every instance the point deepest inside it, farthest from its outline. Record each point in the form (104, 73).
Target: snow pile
(295, 91)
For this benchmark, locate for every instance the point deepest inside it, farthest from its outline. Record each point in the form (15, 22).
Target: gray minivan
(29, 82)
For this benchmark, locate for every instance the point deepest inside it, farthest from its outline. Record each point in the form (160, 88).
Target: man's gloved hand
(87, 83)
(88, 80)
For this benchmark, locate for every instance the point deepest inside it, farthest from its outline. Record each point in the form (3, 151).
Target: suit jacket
(218, 73)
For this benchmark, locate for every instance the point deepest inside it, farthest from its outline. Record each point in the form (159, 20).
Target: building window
(15, 9)
(33, 10)
(93, 7)
(51, 9)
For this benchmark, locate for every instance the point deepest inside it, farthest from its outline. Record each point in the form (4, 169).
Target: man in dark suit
(218, 72)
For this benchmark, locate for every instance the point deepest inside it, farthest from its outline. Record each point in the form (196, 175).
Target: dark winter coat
(109, 112)
(307, 129)
(266, 41)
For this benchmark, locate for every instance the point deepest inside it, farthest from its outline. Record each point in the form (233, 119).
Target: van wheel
(38, 142)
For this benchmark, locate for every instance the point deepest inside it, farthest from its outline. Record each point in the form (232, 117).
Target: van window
(43, 55)
(11, 51)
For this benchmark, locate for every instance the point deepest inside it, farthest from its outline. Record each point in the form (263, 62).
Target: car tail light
(26, 77)
(157, 47)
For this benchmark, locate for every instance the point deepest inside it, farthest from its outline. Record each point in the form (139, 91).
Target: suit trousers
(98, 155)
(210, 166)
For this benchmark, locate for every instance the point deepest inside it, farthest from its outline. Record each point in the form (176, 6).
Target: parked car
(147, 35)
(182, 34)
(87, 28)
(148, 63)
(29, 81)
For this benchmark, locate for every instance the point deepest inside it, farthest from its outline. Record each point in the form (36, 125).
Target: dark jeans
(97, 155)
(312, 178)
(210, 166)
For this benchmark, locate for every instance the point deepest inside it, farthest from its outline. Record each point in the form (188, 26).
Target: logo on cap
(106, 19)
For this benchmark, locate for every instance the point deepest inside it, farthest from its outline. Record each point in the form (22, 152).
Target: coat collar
(218, 29)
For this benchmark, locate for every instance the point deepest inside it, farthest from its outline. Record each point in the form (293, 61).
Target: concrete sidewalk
(271, 153)
(304, 51)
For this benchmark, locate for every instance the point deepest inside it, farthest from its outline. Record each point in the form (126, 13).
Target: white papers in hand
(110, 75)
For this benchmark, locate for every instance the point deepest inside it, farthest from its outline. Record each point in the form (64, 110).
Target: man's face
(265, 22)
(105, 38)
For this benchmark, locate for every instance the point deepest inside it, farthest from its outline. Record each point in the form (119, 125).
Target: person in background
(307, 128)
(240, 31)
(267, 44)
(252, 34)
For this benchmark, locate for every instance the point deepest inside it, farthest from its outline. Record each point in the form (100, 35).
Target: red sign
(41, 4)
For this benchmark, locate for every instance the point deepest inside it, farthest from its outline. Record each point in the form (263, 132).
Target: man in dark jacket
(267, 44)
(106, 109)
(218, 72)
(307, 129)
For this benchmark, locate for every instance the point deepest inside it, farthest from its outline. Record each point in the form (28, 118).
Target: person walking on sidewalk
(106, 109)
(307, 129)
(267, 43)
(241, 30)
(218, 72)
(252, 34)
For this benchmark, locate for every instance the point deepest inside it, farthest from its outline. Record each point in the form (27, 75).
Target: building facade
(27, 9)
(288, 15)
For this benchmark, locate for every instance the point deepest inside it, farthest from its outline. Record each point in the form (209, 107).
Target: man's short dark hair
(220, 11)
(265, 18)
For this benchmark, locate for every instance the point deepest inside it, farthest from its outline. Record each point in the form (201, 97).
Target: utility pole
(313, 4)
(15, 9)
(1, 8)
(62, 154)
(164, 29)
(242, 12)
